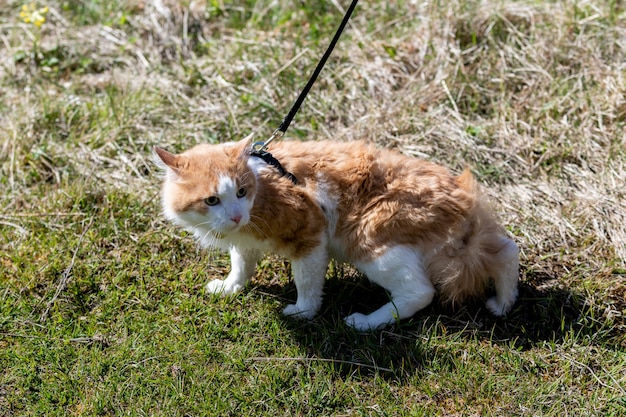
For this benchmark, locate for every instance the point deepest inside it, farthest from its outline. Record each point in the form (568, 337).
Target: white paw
(221, 287)
(361, 322)
(498, 309)
(292, 310)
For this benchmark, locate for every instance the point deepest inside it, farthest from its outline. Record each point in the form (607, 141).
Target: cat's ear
(167, 161)
(247, 141)
(244, 146)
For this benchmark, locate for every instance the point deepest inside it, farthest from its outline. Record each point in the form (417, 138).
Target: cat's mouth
(230, 228)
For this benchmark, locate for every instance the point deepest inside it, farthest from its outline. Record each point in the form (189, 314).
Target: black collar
(269, 158)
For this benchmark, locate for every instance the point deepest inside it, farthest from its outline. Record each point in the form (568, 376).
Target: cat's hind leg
(401, 272)
(243, 264)
(309, 273)
(505, 267)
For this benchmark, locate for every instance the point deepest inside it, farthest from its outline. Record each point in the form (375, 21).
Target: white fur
(230, 206)
(309, 273)
(243, 263)
(328, 201)
(505, 280)
(257, 165)
(400, 270)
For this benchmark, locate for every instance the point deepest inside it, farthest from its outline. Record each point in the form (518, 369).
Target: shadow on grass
(434, 337)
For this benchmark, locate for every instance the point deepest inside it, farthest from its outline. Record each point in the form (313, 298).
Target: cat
(409, 225)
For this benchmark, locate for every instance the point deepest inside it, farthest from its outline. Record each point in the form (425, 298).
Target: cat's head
(209, 188)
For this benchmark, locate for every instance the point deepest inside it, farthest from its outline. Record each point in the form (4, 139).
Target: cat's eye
(241, 192)
(212, 201)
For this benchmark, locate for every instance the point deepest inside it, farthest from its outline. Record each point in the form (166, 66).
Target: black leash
(296, 106)
(258, 148)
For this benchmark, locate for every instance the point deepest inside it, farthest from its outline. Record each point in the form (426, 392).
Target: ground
(101, 304)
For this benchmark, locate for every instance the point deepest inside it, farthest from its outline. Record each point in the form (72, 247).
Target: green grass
(102, 310)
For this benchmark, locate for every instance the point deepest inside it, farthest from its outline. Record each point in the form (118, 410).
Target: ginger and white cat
(407, 224)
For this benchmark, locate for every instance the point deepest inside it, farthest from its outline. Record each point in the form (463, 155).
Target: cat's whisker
(210, 232)
(255, 217)
(207, 242)
(258, 229)
(251, 225)
(208, 222)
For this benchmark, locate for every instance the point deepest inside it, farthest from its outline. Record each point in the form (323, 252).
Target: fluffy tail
(467, 182)
(476, 250)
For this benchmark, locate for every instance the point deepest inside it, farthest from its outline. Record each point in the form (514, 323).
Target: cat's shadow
(543, 313)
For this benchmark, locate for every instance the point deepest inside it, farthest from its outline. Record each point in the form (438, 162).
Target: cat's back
(350, 163)
(317, 154)
(360, 177)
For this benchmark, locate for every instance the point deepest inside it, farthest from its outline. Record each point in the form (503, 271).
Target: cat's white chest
(243, 241)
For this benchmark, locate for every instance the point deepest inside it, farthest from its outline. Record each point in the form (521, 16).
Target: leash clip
(261, 146)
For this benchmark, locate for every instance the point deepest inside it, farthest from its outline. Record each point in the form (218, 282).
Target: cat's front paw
(221, 287)
(361, 322)
(497, 308)
(292, 310)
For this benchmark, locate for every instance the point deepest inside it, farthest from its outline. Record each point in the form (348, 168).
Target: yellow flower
(31, 14)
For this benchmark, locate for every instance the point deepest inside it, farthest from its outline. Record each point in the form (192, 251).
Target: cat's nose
(236, 218)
